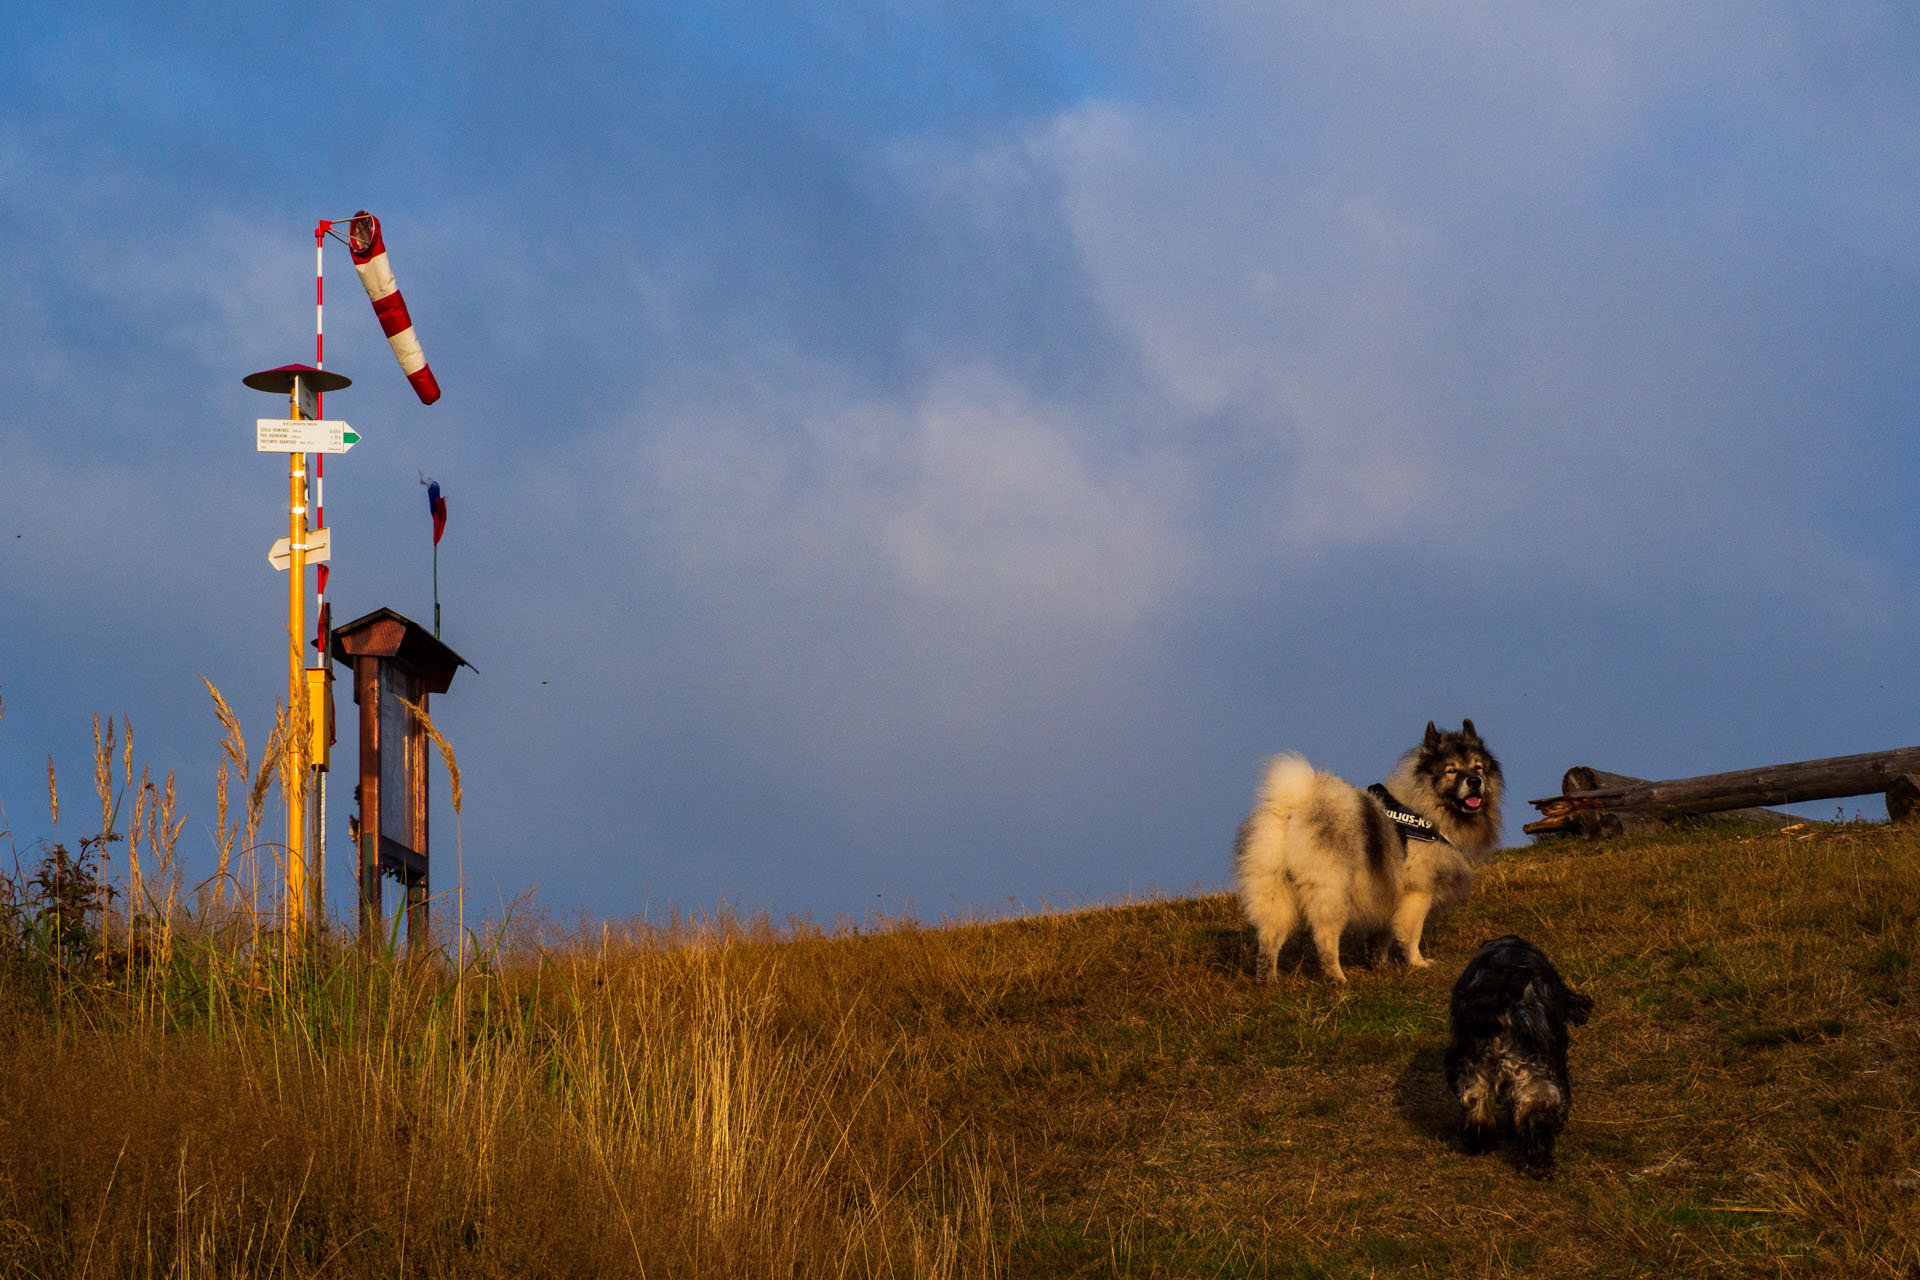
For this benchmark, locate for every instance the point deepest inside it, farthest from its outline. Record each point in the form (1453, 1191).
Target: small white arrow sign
(300, 435)
(319, 547)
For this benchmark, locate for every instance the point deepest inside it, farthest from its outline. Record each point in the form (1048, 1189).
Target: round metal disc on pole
(281, 380)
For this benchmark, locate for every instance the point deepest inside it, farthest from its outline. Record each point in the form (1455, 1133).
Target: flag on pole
(438, 506)
(369, 252)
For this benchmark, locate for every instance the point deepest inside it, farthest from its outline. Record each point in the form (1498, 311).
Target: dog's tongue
(1473, 802)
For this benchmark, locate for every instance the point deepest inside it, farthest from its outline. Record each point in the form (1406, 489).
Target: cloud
(943, 453)
(1463, 277)
(970, 502)
(876, 579)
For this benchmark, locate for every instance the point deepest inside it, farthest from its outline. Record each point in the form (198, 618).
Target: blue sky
(923, 457)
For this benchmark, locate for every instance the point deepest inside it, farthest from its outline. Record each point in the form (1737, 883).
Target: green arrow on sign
(349, 437)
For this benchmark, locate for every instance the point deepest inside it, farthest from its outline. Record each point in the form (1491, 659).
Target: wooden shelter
(393, 658)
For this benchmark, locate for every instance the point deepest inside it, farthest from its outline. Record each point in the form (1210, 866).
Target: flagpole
(319, 399)
(321, 575)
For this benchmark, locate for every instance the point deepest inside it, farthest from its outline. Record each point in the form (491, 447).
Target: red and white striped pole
(323, 623)
(320, 362)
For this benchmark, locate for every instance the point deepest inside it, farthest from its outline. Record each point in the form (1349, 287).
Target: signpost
(319, 547)
(302, 433)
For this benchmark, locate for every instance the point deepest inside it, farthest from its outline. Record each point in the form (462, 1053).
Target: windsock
(370, 260)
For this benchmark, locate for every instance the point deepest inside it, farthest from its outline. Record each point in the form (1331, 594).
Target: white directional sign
(319, 547)
(294, 435)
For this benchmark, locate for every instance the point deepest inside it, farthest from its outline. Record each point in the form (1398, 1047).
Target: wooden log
(1903, 798)
(1829, 779)
(1594, 824)
(1586, 778)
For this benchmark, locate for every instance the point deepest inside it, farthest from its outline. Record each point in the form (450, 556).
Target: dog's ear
(1467, 730)
(1433, 735)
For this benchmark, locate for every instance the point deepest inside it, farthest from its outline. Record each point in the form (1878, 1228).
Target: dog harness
(1410, 825)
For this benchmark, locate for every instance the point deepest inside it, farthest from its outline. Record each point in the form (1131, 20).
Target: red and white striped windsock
(370, 260)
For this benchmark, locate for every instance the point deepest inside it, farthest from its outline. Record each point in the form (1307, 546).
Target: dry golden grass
(1097, 1092)
(1745, 1095)
(619, 1110)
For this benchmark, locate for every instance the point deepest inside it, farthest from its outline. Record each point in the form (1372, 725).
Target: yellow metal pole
(295, 783)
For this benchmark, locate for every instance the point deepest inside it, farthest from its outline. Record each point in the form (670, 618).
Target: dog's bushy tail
(1289, 780)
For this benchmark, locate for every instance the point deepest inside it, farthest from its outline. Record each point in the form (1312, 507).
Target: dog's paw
(1419, 962)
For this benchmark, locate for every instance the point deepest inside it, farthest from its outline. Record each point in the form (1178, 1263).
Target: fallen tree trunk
(1829, 779)
(1602, 823)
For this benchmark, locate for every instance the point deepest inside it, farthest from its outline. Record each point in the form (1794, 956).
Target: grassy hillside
(1090, 1093)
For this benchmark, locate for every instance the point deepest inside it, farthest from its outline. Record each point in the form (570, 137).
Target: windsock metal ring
(369, 252)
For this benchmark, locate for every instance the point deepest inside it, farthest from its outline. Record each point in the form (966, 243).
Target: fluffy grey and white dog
(1321, 851)
(1507, 1062)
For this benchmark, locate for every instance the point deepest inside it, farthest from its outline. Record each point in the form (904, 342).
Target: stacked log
(1601, 823)
(1593, 802)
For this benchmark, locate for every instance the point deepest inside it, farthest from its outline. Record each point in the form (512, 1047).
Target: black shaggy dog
(1508, 1058)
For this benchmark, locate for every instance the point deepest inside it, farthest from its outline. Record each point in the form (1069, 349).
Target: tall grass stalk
(254, 784)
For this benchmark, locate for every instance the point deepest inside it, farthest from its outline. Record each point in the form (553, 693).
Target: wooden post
(415, 878)
(366, 694)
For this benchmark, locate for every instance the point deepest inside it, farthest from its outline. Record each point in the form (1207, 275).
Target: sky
(919, 459)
